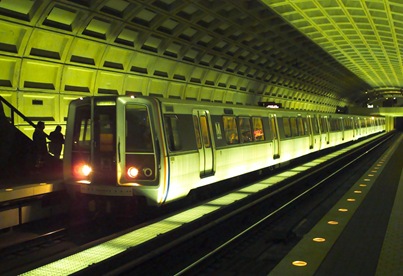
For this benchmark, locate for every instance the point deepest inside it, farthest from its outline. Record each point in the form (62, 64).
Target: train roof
(225, 107)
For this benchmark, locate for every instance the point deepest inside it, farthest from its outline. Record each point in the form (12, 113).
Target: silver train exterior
(160, 149)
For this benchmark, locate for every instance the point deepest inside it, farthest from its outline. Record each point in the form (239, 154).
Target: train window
(106, 132)
(218, 130)
(274, 130)
(245, 129)
(205, 131)
(197, 132)
(315, 125)
(287, 127)
(324, 125)
(138, 131)
(294, 126)
(258, 133)
(82, 140)
(335, 124)
(230, 130)
(179, 129)
(172, 130)
(82, 129)
(332, 125)
(302, 126)
(348, 123)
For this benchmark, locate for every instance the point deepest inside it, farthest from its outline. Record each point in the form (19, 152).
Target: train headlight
(132, 172)
(82, 170)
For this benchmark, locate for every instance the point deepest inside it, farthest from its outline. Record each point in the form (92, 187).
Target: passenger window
(205, 131)
(301, 126)
(257, 124)
(331, 122)
(287, 127)
(197, 131)
(230, 130)
(218, 130)
(348, 123)
(315, 125)
(172, 130)
(324, 125)
(294, 127)
(245, 129)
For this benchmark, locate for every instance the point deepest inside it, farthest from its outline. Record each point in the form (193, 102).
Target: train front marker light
(132, 172)
(82, 170)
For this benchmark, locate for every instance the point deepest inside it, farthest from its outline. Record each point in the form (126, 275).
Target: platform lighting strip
(82, 260)
(364, 36)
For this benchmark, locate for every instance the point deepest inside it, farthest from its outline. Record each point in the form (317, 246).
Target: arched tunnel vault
(227, 51)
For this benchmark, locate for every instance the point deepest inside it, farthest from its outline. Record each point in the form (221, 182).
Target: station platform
(20, 196)
(33, 183)
(362, 234)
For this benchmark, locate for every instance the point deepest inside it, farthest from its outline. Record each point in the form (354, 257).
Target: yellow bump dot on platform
(299, 263)
(319, 239)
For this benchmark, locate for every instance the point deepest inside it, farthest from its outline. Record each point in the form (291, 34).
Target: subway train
(158, 149)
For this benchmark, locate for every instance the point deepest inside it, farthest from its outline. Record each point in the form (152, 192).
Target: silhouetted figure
(40, 148)
(56, 142)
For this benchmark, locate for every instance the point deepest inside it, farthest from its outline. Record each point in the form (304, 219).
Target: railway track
(254, 240)
(219, 234)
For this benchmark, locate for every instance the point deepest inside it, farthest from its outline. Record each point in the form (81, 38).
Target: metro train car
(158, 149)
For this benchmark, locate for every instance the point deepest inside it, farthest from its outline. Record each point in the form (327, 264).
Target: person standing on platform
(56, 142)
(40, 148)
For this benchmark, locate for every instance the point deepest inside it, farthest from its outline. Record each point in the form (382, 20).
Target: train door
(275, 136)
(342, 128)
(357, 126)
(351, 126)
(310, 132)
(324, 126)
(93, 148)
(136, 154)
(204, 139)
(316, 130)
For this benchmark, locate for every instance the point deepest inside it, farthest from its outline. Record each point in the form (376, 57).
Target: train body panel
(161, 149)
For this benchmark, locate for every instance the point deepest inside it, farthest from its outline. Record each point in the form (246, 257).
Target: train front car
(110, 150)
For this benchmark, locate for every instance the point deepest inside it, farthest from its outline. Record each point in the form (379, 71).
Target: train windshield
(104, 129)
(82, 130)
(138, 131)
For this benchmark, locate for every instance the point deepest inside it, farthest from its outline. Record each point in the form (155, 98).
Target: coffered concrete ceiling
(311, 55)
